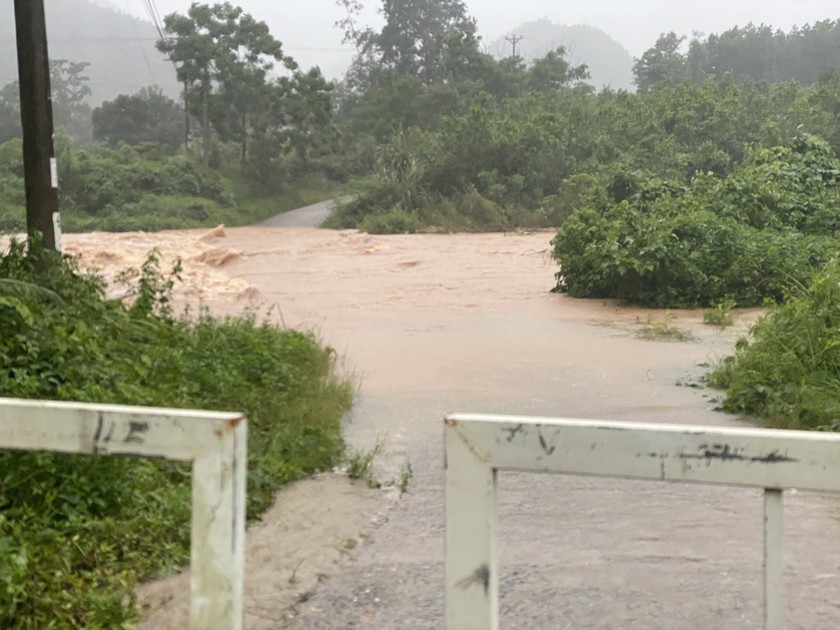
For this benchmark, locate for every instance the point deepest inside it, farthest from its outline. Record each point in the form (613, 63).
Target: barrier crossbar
(215, 443)
(478, 446)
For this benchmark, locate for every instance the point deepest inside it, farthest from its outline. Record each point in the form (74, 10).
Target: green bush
(751, 236)
(399, 183)
(77, 532)
(394, 221)
(146, 187)
(98, 180)
(788, 372)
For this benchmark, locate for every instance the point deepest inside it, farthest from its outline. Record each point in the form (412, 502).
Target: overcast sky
(306, 27)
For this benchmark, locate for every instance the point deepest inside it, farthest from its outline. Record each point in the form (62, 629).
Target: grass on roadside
(78, 532)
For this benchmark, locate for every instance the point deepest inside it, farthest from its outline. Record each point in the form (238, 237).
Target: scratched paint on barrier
(478, 446)
(215, 443)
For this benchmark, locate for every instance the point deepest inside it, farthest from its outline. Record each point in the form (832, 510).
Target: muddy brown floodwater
(432, 324)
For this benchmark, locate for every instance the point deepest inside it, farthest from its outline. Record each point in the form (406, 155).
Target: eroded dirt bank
(439, 323)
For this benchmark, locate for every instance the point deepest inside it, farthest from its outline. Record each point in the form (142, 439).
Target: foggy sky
(306, 27)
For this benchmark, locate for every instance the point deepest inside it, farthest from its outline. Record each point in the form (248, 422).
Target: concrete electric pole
(514, 40)
(39, 165)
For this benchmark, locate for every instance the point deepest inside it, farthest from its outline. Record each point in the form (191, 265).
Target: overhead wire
(140, 44)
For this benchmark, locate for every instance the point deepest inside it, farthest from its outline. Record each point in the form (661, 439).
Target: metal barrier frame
(477, 446)
(215, 443)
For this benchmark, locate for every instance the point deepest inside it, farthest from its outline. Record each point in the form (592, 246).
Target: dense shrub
(146, 187)
(788, 371)
(77, 532)
(99, 180)
(769, 225)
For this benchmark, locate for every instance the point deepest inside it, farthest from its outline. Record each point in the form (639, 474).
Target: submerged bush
(77, 532)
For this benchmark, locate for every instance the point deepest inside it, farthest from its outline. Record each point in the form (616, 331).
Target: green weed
(405, 479)
(721, 315)
(662, 329)
(360, 465)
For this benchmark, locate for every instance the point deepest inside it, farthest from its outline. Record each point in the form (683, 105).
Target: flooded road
(432, 324)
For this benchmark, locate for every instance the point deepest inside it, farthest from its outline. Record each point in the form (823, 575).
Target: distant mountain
(120, 48)
(610, 64)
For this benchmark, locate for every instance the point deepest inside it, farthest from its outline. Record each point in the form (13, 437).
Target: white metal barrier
(477, 446)
(215, 443)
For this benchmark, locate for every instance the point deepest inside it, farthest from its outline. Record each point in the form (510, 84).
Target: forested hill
(609, 63)
(749, 53)
(120, 48)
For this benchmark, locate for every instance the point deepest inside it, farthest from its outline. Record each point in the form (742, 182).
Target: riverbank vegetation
(77, 532)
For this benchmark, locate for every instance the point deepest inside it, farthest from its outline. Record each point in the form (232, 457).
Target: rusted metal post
(773, 560)
(472, 572)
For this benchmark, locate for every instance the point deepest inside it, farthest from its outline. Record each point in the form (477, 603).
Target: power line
(154, 17)
(142, 50)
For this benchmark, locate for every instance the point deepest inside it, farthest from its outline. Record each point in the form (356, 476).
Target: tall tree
(244, 81)
(69, 89)
(662, 64)
(221, 51)
(420, 36)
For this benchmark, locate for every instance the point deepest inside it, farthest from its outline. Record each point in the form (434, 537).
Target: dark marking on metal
(548, 449)
(513, 431)
(772, 458)
(234, 422)
(726, 452)
(451, 422)
(480, 576)
(135, 429)
(99, 422)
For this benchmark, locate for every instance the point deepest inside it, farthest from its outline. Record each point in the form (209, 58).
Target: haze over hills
(119, 47)
(123, 59)
(610, 64)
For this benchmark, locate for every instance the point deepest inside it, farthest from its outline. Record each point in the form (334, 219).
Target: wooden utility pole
(39, 165)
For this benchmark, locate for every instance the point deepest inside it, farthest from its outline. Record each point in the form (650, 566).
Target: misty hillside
(609, 62)
(120, 48)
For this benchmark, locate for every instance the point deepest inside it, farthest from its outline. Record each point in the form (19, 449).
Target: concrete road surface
(308, 216)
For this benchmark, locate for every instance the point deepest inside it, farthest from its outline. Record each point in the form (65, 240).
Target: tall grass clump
(788, 372)
(78, 532)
